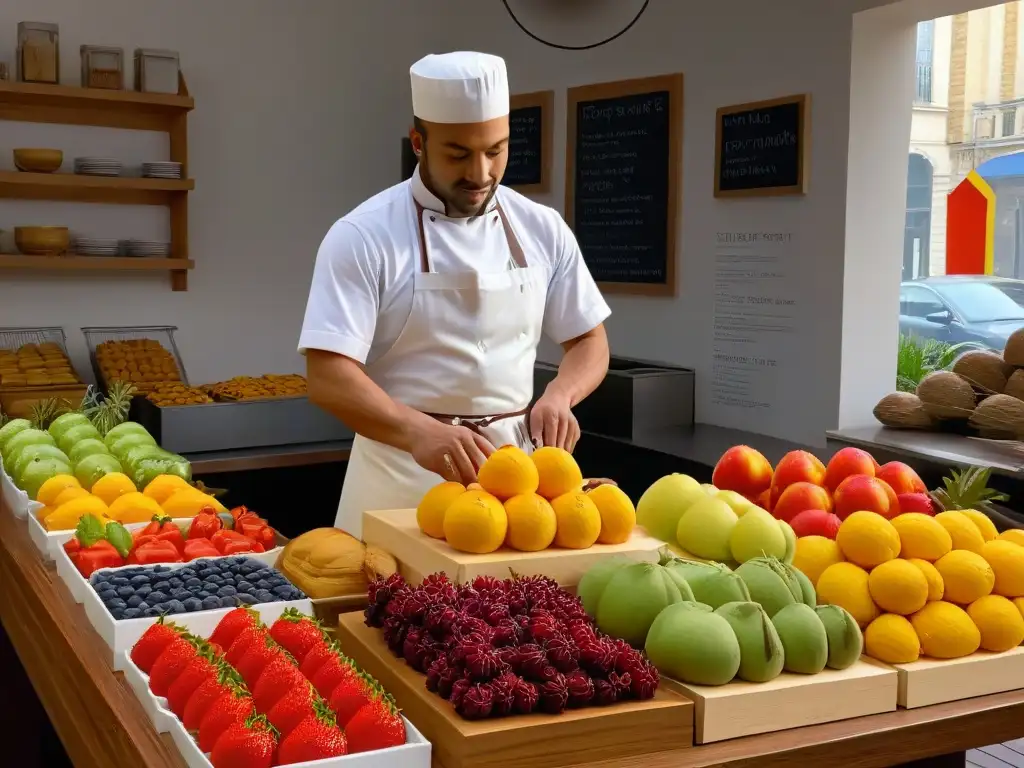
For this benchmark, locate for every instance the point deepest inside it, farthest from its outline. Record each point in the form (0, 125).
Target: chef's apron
(465, 356)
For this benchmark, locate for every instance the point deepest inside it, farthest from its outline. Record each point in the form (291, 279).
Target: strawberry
(152, 644)
(200, 701)
(241, 644)
(294, 707)
(233, 707)
(315, 738)
(256, 659)
(245, 744)
(178, 654)
(331, 673)
(232, 624)
(349, 696)
(378, 725)
(199, 670)
(280, 676)
(296, 633)
(315, 657)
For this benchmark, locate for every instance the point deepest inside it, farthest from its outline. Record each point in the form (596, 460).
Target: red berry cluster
(495, 648)
(278, 695)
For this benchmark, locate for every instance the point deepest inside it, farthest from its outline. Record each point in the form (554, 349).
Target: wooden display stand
(575, 737)
(789, 701)
(934, 681)
(419, 555)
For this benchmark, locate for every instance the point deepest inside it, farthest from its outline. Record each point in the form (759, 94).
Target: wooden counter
(102, 725)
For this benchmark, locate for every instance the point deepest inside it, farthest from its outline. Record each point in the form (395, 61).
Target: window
(1009, 122)
(925, 57)
(919, 302)
(980, 302)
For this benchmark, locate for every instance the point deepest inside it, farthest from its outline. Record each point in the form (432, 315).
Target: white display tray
(16, 499)
(121, 635)
(79, 586)
(415, 753)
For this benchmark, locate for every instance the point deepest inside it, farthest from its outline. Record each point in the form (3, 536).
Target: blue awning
(1003, 167)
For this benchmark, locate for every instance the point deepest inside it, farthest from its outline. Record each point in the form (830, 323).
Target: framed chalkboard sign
(762, 148)
(623, 168)
(529, 150)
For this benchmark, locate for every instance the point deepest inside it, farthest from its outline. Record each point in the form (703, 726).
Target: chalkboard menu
(529, 150)
(761, 148)
(624, 146)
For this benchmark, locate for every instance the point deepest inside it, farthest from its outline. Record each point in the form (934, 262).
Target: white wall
(300, 107)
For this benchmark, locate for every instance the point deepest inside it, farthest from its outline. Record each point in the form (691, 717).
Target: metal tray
(232, 426)
(162, 333)
(12, 338)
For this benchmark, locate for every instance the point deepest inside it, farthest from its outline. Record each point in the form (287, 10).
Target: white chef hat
(461, 87)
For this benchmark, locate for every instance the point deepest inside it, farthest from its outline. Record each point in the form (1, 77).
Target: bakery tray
(207, 427)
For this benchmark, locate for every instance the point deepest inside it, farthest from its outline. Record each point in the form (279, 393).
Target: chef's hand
(454, 453)
(552, 422)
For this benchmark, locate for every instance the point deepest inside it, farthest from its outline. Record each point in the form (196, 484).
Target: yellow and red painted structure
(970, 227)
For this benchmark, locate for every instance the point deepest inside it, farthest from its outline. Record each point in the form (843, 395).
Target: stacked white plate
(147, 248)
(97, 166)
(95, 246)
(161, 170)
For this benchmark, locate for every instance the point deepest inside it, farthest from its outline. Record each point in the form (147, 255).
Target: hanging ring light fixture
(560, 47)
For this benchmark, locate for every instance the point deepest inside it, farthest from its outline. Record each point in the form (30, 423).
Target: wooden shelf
(70, 187)
(31, 102)
(77, 263)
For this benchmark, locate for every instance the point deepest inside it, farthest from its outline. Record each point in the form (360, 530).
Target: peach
(800, 497)
(894, 501)
(846, 462)
(816, 522)
(916, 502)
(863, 493)
(744, 470)
(765, 500)
(798, 467)
(901, 477)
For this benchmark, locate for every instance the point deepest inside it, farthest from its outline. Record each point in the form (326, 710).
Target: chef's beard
(454, 206)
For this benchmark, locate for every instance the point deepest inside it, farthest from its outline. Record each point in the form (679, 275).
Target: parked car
(962, 308)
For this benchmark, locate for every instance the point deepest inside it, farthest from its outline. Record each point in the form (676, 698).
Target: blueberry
(175, 583)
(161, 569)
(125, 592)
(246, 598)
(138, 581)
(107, 593)
(156, 596)
(150, 613)
(192, 604)
(227, 591)
(180, 594)
(193, 582)
(99, 577)
(117, 614)
(210, 603)
(264, 596)
(144, 591)
(283, 591)
(243, 586)
(119, 581)
(204, 593)
(251, 567)
(263, 584)
(143, 605)
(117, 604)
(229, 602)
(175, 606)
(131, 613)
(133, 601)
(205, 572)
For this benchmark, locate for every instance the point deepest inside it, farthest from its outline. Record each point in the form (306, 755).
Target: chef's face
(463, 163)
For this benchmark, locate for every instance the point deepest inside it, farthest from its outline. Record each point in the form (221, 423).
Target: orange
(579, 521)
(558, 472)
(508, 472)
(531, 523)
(475, 522)
(431, 509)
(112, 485)
(51, 489)
(618, 515)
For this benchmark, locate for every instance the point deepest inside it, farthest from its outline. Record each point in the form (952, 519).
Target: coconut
(693, 646)
(761, 654)
(986, 371)
(1015, 385)
(845, 641)
(803, 639)
(1013, 353)
(945, 395)
(770, 583)
(633, 598)
(902, 410)
(999, 414)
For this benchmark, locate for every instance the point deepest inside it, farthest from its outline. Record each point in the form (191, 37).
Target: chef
(429, 299)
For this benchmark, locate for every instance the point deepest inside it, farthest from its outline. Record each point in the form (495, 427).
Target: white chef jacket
(361, 291)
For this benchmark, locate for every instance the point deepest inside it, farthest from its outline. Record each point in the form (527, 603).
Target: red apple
(859, 493)
(816, 522)
(744, 470)
(916, 502)
(846, 462)
(800, 497)
(901, 477)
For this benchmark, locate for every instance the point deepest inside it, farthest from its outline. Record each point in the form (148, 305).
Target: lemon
(112, 485)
